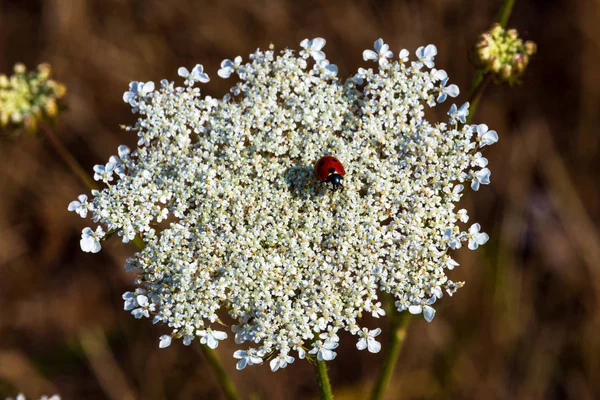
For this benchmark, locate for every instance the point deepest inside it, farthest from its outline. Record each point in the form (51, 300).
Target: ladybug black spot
(331, 170)
(321, 163)
(335, 159)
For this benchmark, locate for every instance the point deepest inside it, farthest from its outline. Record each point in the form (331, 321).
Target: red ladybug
(330, 169)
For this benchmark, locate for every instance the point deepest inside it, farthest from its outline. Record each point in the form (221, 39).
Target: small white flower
(485, 136)
(325, 66)
(459, 114)
(377, 311)
(281, 361)
(481, 177)
(443, 90)
(428, 313)
(137, 89)
(130, 301)
(462, 215)
(427, 54)
(381, 54)
(313, 48)
(403, 55)
(104, 172)
(90, 240)
(123, 152)
(211, 338)
(455, 194)
(451, 264)
(367, 340)
(228, 67)
(324, 350)
(197, 74)
(360, 76)
(479, 160)
(143, 304)
(248, 357)
(454, 242)
(476, 238)
(330, 335)
(79, 206)
(301, 352)
(165, 341)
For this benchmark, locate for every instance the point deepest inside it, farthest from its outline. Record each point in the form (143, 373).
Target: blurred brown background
(524, 327)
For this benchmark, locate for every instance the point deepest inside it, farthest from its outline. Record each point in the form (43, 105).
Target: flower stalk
(505, 11)
(399, 326)
(480, 81)
(224, 379)
(322, 380)
(67, 157)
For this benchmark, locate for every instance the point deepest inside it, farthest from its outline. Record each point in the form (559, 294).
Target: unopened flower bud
(502, 53)
(27, 98)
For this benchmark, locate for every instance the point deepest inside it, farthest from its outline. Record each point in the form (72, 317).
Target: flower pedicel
(223, 194)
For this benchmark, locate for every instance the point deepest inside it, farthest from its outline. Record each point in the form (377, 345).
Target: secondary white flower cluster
(234, 222)
(21, 396)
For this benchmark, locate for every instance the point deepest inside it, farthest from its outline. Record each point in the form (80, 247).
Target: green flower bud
(28, 98)
(502, 53)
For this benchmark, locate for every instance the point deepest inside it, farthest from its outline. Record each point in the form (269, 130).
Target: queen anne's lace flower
(460, 114)
(90, 240)
(367, 340)
(381, 54)
(246, 228)
(80, 206)
(313, 48)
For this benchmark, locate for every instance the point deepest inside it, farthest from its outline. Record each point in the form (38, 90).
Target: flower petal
(374, 346)
(183, 72)
(370, 55)
(165, 341)
(428, 313)
(317, 44)
(362, 344)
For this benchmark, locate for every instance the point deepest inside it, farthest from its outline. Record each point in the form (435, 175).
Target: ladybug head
(336, 181)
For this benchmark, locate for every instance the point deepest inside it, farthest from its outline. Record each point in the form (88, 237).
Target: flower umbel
(252, 233)
(27, 98)
(502, 53)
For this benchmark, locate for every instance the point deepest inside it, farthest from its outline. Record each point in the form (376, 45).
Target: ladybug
(329, 169)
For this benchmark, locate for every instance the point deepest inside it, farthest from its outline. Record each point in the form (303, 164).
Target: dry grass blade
(110, 376)
(17, 369)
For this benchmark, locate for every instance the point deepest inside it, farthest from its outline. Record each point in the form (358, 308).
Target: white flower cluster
(21, 396)
(234, 222)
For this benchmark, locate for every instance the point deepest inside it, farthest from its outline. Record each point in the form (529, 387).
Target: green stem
(480, 82)
(323, 380)
(505, 12)
(225, 381)
(68, 157)
(399, 327)
(138, 242)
